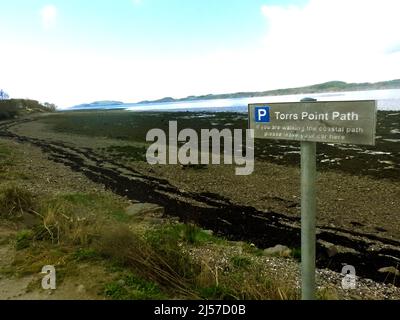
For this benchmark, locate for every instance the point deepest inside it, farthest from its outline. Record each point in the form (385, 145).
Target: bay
(387, 100)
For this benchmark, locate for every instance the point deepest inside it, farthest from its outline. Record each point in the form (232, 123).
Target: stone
(391, 270)
(279, 250)
(81, 289)
(138, 209)
(332, 250)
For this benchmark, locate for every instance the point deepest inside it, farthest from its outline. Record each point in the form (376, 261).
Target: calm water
(387, 100)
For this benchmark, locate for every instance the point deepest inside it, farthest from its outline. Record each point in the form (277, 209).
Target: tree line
(11, 108)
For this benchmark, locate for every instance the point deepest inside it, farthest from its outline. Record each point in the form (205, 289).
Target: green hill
(18, 107)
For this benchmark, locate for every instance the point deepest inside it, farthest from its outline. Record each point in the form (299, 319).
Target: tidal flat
(358, 187)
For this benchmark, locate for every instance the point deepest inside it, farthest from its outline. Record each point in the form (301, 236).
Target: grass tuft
(23, 239)
(132, 287)
(240, 261)
(15, 201)
(60, 226)
(163, 262)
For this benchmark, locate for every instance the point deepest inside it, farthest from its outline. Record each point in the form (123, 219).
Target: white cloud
(48, 16)
(335, 39)
(324, 40)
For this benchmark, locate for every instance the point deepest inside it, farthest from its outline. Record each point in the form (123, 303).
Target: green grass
(4, 151)
(86, 254)
(32, 258)
(23, 239)
(253, 250)
(84, 203)
(241, 261)
(9, 172)
(187, 233)
(65, 223)
(216, 293)
(132, 287)
(296, 254)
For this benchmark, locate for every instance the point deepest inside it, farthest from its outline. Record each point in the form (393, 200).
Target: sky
(69, 52)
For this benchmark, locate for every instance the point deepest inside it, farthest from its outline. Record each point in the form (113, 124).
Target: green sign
(351, 122)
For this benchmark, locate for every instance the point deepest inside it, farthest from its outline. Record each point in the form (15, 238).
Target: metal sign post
(308, 121)
(308, 218)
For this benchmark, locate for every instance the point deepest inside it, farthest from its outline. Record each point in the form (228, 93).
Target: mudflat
(358, 187)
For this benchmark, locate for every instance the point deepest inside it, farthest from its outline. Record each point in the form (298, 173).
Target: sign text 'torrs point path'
(351, 122)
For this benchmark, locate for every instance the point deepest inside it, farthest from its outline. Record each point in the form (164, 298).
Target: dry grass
(61, 226)
(248, 283)
(135, 253)
(167, 263)
(160, 256)
(15, 201)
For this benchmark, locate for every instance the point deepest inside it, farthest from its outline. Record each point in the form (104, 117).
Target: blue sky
(74, 51)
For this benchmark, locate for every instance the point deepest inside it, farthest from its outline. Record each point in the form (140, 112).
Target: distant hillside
(98, 104)
(163, 100)
(17, 107)
(332, 86)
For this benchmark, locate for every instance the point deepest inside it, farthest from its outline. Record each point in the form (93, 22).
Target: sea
(387, 100)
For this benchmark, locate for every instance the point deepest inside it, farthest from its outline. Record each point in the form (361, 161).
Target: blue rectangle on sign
(262, 114)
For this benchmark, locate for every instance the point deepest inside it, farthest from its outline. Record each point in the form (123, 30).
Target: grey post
(308, 217)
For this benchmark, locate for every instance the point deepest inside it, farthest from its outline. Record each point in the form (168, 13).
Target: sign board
(351, 122)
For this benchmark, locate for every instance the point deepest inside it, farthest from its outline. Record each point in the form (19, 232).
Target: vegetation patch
(15, 201)
(23, 239)
(4, 152)
(133, 153)
(131, 287)
(241, 261)
(296, 254)
(164, 263)
(86, 254)
(12, 108)
(186, 233)
(145, 261)
(85, 204)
